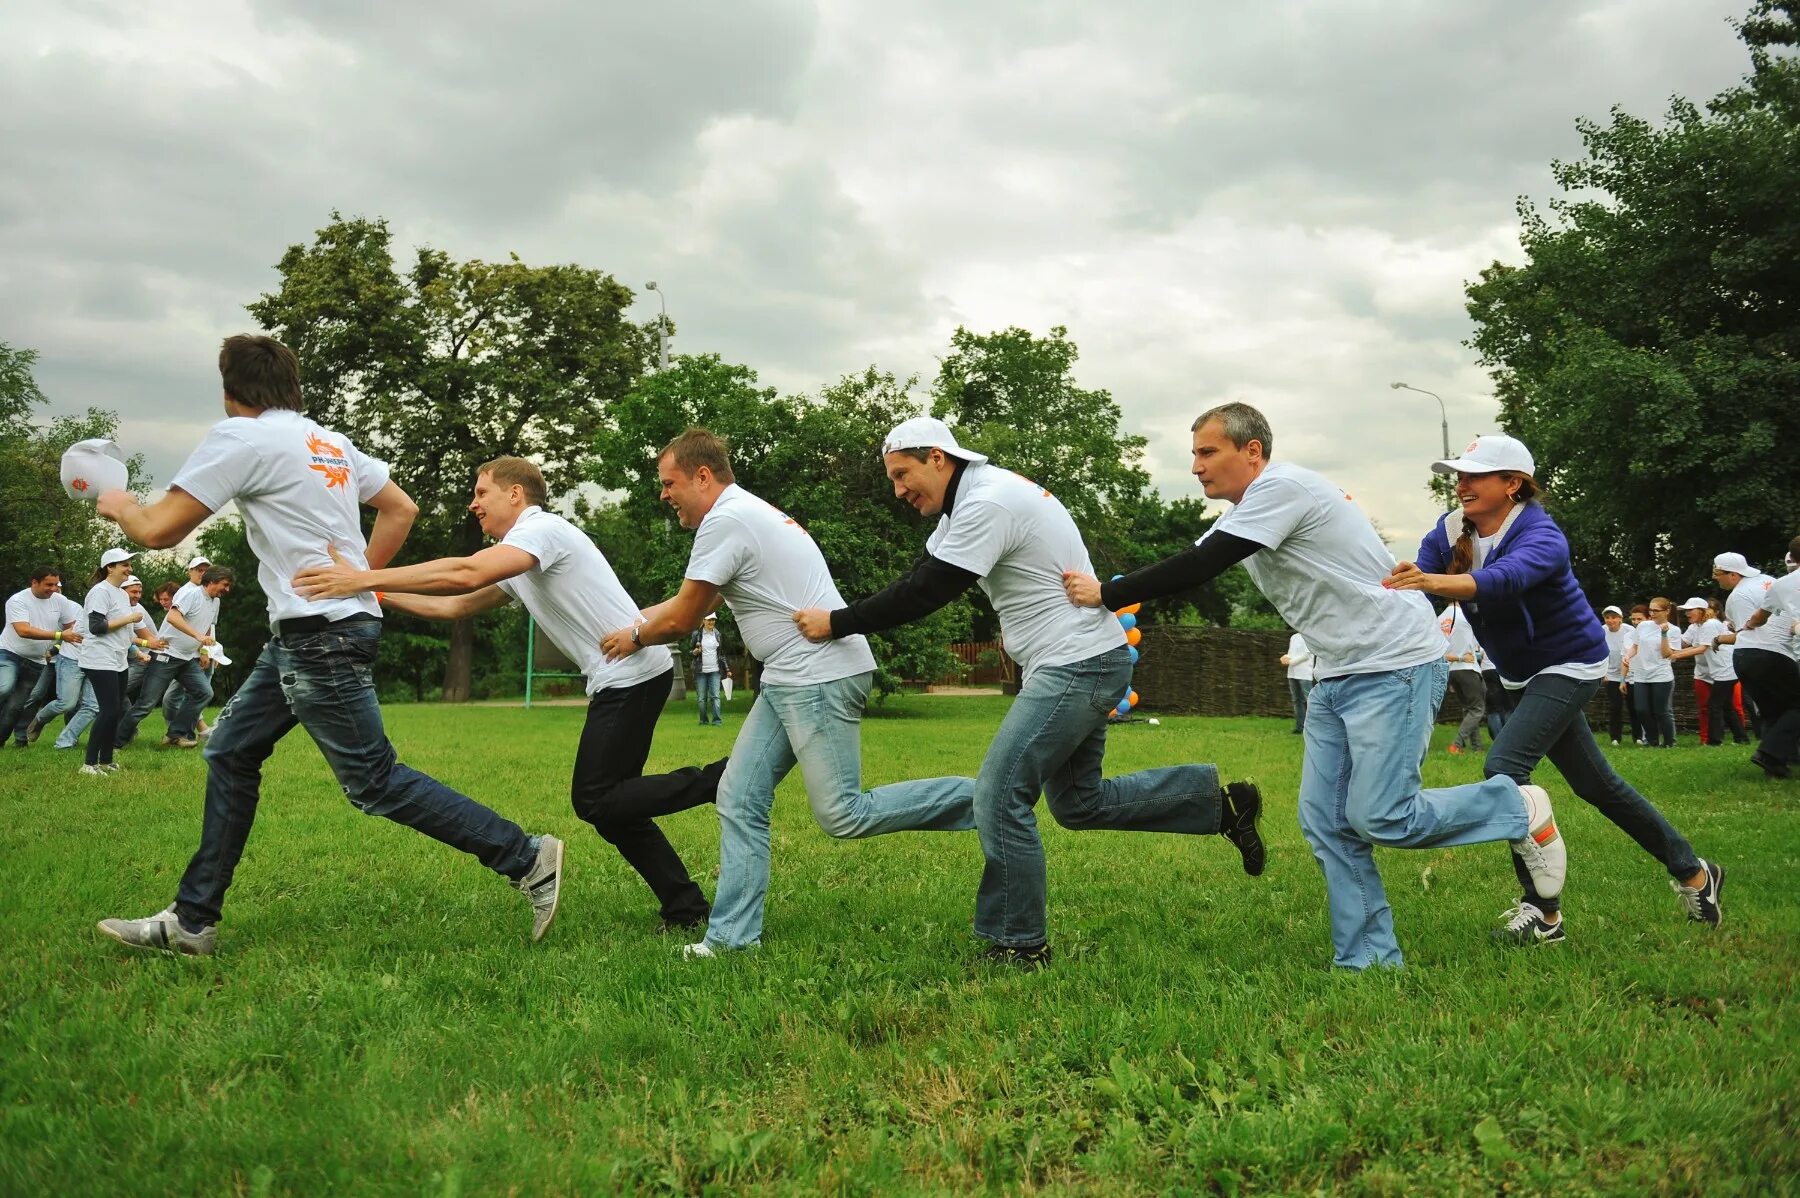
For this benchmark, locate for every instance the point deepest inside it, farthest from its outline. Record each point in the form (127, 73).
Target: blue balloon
(1132, 649)
(1123, 709)
(1128, 622)
(1116, 577)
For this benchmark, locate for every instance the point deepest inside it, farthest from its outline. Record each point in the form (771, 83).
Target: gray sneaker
(543, 885)
(162, 932)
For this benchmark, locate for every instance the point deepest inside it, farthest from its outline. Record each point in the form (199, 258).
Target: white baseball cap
(1487, 454)
(927, 432)
(93, 467)
(215, 653)
(1733, 563)
(712, 615)
(199, 561)
(1691, 604)
(1612, 610)
(113, 556)
(133, 581)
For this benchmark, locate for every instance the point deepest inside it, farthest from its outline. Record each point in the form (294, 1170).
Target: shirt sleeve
(191, 607)
(719, 552)
(537, 540)
(372, 474)
(974, 539)
(219, 470)
(17, 611)
(1269, 515)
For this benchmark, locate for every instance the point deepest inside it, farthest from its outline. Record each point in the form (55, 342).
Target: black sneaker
(1772, 766)
(675, 926)
(1526, 926)
(1242, 814)
(1703, 901)
(1030, 958)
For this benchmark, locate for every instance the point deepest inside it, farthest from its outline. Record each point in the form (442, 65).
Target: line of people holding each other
(63, 658)
(1380, 670)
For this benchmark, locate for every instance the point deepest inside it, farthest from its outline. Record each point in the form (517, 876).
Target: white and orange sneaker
(1542, 850)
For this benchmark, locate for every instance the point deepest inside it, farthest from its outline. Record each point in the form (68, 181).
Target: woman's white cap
(1695, 602)
(114, 556)
(1487, 454)
(1612, 610)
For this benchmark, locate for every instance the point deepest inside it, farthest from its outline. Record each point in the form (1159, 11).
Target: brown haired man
(299, 487)
(570, 589)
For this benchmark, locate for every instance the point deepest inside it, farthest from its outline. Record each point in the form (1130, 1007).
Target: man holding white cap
(34, 629)
(1764, 663)
(1380, 671)
(560, 576)
(299, 487)
(809, 708)
(1017, 541)
(188, 627)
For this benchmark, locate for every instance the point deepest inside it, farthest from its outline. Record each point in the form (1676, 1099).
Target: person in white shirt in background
(1618, 695)
(1464, 655)
(188, 627)
(114, 620)
(1764, 611)
(1726, 700)
(71, 689)
(1652, 677)
(1299, 662)
(32, 632)
(299, 488)
(709, 664)
(1696, 646)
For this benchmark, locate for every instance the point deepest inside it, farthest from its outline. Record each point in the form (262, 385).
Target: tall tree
(450, 364)
(1648, 350)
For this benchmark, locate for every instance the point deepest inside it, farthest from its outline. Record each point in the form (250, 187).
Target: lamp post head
(650, 286)
(1396, 386)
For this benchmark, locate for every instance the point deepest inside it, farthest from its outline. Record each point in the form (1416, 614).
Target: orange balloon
(1133, 636)
(1132, 698)
(1133, 610)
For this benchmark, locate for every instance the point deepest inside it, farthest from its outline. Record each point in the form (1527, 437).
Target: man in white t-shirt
(1017, 541)
(32, 633)
(298, 487)
(1299, 662)
(71, 686)
(1763, 610)
(193, 615)
(558, 575)
(1379, 662)
(809, 705)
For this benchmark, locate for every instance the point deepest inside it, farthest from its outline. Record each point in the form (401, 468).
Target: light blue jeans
(818, 727)
(87, 709)
(706, 686)
(1360, 787)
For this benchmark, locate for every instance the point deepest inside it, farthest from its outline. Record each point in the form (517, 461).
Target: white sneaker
(94, 771)
(543, 885)
(162, 932)
(110, 767)
(705, 951)
(1541, 848)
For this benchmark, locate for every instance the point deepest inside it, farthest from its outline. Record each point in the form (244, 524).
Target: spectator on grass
(193, 614)
(1618, 691)
(1649, 668)
(33, 631)
(1725, 702)
(1510, 567)
(114, 622)
(709, 663)
(1016, 541)
(808, 708)
(566, 584)
(1381, 675)
(1464, 657)
(298, 487)
(1299, 662)
(1763, 610)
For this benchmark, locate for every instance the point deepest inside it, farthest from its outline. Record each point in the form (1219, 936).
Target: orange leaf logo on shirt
(335, 476)
(322, 448)
(80, 484)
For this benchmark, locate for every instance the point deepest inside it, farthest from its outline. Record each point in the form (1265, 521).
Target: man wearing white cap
(1618, 691)
(809, 708)
(33, 630)
(1764, 662)
(299, 488)
(560, 576)
(188, 627)
(709, 664)
(1016, 541)
(1380, 672)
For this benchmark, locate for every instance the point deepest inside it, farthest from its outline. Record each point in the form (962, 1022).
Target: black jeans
(109, 693)
(1548, 722)
(1773, 680)
(1721, 713)
(1655, 703)
(1618, 704)
(1498, 700)
(1472, 693)
(610, 791)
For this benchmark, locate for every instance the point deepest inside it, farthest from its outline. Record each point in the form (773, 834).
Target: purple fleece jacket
(1528, 613)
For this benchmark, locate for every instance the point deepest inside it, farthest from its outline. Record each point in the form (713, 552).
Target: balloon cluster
(1128, 621)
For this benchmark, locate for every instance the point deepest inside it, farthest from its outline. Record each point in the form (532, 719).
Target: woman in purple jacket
(1509, 566)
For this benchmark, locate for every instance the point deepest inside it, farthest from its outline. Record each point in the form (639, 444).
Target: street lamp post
(1443, 425)
(662, 329)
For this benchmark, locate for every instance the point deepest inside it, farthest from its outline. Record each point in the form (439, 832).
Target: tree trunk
(462, 658)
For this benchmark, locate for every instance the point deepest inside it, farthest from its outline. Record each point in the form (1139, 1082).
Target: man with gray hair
(1380, 675)
(1016, 540)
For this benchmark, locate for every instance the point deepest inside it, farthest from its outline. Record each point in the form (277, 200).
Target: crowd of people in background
(105, 663)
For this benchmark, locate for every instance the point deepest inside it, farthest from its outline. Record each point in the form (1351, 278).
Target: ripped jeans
(323, 681)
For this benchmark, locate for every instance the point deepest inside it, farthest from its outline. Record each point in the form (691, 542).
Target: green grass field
(376, 1020)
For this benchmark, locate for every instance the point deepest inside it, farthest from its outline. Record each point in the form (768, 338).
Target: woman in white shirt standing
(1464, 656)
(1618, 696)
(1647, 665)
(1299, 662)
(111, 615)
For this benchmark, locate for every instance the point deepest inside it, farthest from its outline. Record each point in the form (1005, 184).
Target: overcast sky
(1277, 203)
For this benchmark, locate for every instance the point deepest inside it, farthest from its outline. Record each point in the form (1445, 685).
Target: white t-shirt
(709, 652)
(1617, 641)
(1300, 659)
(1782, 602)
(767, 567)
(573, 592)
(1697, 634)
(106, 651)
(68, 612)
(1321, 566)
(200, 610)
(1745, 598)
(1461, 640)
(1647, 663)
(1020, 539)
(26, 608)
(298, 486)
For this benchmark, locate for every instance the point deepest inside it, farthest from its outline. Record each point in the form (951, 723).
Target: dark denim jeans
(1655, 704)
(18, 676)
(187, 676)
(323, 682)
(1548, 721)
(1773, 681)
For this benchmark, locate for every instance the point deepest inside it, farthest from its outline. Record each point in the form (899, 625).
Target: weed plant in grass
(377, 1021)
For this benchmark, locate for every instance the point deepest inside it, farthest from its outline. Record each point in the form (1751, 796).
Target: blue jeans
(18, 675)
(1359, 787)
(67, 698)
(87, 710)
(818, 727)
(706, 686)
(189, 679)
(1298, 689)
(1655, 705)
(1053, 742)
(322, 681)
(1548, 720)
